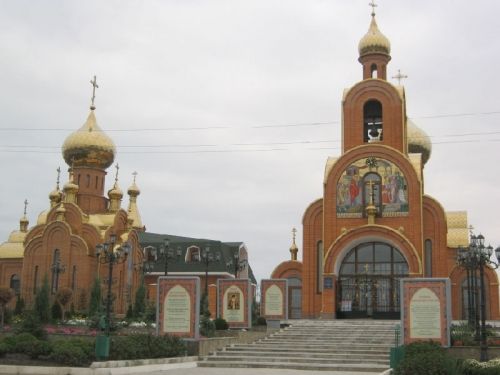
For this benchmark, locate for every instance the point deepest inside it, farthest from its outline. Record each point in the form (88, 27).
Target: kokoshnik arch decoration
(374, 178)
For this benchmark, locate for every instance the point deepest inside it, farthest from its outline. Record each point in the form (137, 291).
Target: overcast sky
(188, 90)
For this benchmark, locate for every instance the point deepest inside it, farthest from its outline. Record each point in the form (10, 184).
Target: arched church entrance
(368, 282)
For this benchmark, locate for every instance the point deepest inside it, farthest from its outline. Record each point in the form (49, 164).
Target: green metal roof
(225, 249)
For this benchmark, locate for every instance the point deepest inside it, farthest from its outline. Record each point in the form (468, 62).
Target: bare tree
(63, 297)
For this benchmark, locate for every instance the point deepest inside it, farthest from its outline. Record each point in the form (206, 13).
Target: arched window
(96, 181)
(372, 121)
(372, 192)
(428, 258)
(193, 254)
(374, 71)
(15, 284)
(319, 267)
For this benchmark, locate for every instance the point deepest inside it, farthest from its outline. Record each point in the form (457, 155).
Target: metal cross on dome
(373, 5)
(135, 175)
(400, 76)
(58, 176)
(94, 86)
(25, 206)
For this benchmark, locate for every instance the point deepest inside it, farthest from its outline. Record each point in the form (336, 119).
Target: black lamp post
(107, 253)
(208, 257)
(478, 256)
(236, 264)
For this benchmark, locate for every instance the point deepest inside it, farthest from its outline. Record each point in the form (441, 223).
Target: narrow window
(73, 279)
(35, 280)
(88, 180)
(372, 120)
(374, 71)
(319, 267)
(15, 284)
(96, 181)
(78, 183)
(428, 258)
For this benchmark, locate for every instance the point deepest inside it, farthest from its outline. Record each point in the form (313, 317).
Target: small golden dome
(374, 41)
(17, 236)
(418, 141)
(55, 195)
(70, 187)
(133, 190)
(115, 193)
(89, 146)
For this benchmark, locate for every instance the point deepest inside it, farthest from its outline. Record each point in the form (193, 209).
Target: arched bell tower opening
(372, 121)
(368, 282)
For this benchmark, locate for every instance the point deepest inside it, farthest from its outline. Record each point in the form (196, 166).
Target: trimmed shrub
(221, 324)
(145, 346)
(31, 324)
(74, 352)
(473, 367)
(426, 359)
(28, 344)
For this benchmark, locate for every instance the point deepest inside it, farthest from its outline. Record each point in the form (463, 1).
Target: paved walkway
(247, 371)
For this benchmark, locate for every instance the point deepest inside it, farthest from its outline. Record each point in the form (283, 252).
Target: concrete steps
(316, 345)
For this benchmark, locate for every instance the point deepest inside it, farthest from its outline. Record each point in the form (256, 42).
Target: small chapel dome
(418, 141)
(374, 41)
(89, 146)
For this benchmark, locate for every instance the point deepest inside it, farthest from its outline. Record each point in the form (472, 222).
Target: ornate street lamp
(208, 257)
(478, 256)
(236, 264)
(107, 253)
(164, 252)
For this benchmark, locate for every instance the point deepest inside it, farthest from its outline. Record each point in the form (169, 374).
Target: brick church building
(61, 246)
(374, 224)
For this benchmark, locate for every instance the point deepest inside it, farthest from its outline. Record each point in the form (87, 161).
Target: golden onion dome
(374, 41)
(55, 195)
(89, 146)
(115, 193)
(418, 141)
(133, 190)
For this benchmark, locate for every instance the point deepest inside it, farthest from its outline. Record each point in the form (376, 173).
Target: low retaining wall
(205, 346)
(472, 352)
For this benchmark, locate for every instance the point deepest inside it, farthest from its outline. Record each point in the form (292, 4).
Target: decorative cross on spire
(471, 228)
(25, 206)
(116, 175)
(58, 176)
(294, 231)
(135, 175)
(94, 86)
(373, 5)
(400, 76)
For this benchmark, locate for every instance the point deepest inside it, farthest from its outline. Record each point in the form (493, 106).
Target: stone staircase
(329, 345)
